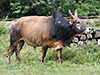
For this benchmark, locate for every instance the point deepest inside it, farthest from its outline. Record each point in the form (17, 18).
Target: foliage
(3, 28)
(36, 8)
(4, 8)
(19, 8)
(41, 7)
(87, 8)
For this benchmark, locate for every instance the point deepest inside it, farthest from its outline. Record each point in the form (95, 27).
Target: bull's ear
(71, 15)
(57, 15)
(76, 13)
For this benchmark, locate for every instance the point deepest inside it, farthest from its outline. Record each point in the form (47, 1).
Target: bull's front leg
(59, 52)
(44, 50)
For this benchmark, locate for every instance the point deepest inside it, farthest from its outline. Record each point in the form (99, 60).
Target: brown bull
(49, 32)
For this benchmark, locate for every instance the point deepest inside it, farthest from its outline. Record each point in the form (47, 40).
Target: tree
(62, 6)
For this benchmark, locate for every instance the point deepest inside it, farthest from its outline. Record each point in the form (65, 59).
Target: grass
(95, 24)
(80, 60)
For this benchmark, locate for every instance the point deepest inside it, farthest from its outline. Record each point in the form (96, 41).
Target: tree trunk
(62, 6)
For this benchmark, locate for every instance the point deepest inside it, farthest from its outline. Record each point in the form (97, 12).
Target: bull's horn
(71, 15)
(76, 12)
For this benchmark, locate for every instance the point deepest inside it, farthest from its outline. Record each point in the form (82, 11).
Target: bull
(53, 32)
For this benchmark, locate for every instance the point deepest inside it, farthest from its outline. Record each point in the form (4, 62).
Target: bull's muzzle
(89, 30)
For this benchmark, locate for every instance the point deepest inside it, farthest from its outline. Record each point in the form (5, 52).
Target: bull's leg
(44, 50)
(10, 52)
(19, 47)
(59, 52)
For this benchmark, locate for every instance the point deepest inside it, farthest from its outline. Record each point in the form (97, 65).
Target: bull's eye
(78, 22)
(78, 26)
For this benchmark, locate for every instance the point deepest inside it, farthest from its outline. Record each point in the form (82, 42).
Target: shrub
(3, 28)
(88, 8)
(31, 8)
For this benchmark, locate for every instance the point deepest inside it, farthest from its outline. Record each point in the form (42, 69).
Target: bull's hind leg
(19, 47)
(11, 50)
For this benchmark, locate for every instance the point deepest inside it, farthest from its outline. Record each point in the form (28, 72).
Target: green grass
(95, 24)
(80, 60)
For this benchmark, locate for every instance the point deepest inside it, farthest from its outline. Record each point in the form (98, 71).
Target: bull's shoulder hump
(35, 17)
(43, 19)
(14, 22)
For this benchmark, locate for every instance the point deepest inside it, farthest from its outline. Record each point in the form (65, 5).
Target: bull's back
(34, 29)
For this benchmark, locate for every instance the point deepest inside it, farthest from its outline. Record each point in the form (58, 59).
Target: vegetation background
(19, 8)
(77, 60)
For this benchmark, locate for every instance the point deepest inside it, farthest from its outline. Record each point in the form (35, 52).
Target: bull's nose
(91, 29)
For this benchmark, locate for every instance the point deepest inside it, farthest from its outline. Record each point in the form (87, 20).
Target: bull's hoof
(42, 61)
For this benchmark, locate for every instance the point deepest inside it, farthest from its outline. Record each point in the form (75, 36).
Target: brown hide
(35, 30)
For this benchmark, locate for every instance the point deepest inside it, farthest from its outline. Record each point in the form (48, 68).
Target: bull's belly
(33, 42)
(56, 45)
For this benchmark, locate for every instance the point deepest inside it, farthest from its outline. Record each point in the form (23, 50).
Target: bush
(31, 8)
(91, 8)
(3, 28)
(19, 8)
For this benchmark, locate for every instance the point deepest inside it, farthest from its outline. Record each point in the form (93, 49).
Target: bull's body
(34, 30)
(49, 32)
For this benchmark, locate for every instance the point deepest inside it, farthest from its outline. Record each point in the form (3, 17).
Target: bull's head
(78, 26)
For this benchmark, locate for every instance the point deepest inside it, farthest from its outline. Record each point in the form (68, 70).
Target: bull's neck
(64, 34)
